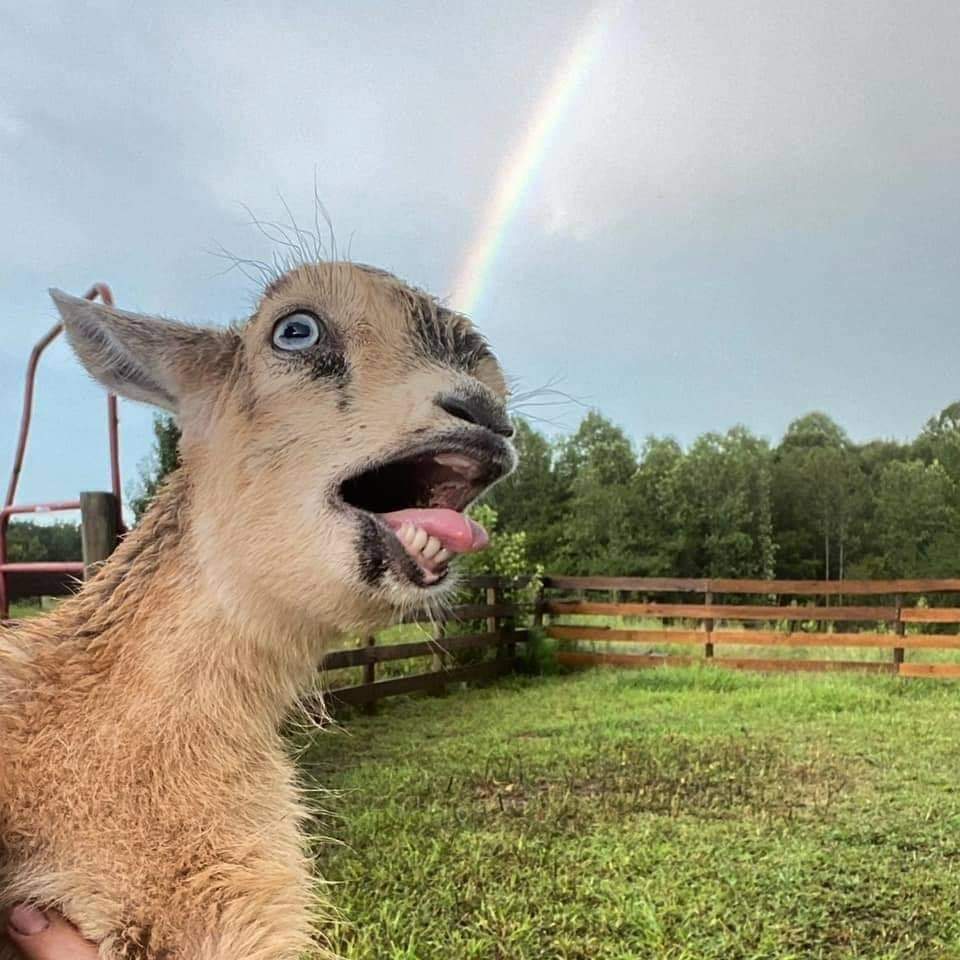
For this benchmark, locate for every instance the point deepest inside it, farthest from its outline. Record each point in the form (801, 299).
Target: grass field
(23, 611)
(686, 814)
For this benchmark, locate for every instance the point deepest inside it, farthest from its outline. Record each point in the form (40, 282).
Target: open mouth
(418, 500)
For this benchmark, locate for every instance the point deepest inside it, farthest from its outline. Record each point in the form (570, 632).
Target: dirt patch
(725, 778)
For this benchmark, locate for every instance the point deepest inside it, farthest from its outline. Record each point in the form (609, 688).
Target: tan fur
(144, 789)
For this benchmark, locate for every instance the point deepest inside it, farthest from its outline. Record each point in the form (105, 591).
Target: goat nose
(478, 409)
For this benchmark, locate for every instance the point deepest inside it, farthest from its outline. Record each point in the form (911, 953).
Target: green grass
(683, 814)
(22, 611)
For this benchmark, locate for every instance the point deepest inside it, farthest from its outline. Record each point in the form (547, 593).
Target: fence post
(438, 661)
(370, 673)
(99, 519)
(538, 608)
(898, 652)
(708, 625)
(505, 650)
(491, 599)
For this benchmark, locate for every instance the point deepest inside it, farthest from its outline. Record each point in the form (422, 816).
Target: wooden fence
(457, 651)
(896, 615)
(478, 640)
(492, 650)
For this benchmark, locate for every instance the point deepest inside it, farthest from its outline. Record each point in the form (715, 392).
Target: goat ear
(145, 358)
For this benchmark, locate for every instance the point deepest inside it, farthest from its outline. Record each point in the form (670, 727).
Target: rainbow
(521, 166)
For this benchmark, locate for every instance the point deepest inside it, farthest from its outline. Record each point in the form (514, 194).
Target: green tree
(653, 519)
(939, 441)
(599, 446)
(812, 430)
(30, 542)
(837, 494)
(916, 527)
(163, 459)
(531, 499)
(723, 501)
(596, 465)
(820, 499)
(24, 544)
(874, 455)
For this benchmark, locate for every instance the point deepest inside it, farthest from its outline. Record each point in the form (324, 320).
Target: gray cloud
(749, 211)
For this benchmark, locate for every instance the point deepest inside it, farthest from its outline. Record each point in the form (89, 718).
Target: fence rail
(433, 682)
(500, 635)
(712, 611)
(713, 623)
(800, 588)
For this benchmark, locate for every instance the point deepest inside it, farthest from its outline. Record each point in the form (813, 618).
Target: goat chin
(144, 788)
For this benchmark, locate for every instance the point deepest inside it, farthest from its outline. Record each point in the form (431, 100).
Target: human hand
(47, 936)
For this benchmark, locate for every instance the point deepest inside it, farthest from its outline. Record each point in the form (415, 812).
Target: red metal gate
(10, 508)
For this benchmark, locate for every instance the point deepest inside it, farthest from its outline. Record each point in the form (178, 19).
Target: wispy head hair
(293, 245)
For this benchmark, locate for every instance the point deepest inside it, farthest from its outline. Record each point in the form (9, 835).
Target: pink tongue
(459, 534)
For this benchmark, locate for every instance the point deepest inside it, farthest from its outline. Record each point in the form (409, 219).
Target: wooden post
(99, 516)
(538, 609)
(901, 630)
(438, 662)
(370, 673)
(490, 596)
(491, 599)
(506, 646)
(708, 625)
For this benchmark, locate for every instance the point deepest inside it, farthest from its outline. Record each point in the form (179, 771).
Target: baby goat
(330, 446)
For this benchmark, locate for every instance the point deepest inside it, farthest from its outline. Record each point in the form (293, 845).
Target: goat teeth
(432, 548)
(406, 532)
(419, 541)
(463, 465)
(443, 556)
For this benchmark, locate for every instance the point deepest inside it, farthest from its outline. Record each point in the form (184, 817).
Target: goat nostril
(477, 410)
(457, 408)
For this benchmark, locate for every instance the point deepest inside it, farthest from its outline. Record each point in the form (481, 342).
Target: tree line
(29, 542)
(814, 506)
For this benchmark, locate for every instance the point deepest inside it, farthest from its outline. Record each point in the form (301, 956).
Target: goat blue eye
(296, 331)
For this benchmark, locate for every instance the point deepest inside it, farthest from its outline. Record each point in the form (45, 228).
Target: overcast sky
(749, 210)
